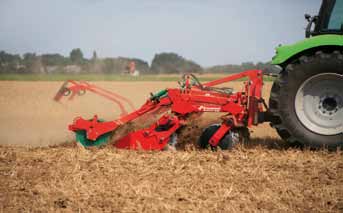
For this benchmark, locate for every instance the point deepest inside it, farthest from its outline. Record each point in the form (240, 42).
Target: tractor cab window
(336, 18)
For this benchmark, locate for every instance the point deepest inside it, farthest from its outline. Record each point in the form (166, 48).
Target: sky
(210, 32)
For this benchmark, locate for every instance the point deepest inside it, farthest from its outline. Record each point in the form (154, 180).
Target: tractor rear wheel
(307, 101)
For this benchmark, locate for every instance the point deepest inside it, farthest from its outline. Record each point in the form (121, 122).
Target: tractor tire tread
(282, 119)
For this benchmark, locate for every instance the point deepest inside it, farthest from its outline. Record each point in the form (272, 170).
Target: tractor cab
(328, 21)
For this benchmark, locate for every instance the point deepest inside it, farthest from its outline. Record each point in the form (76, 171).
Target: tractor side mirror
(311, 20)
(308, 17)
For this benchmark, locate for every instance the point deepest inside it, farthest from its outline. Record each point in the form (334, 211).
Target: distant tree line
(163, 63)
(233, 68)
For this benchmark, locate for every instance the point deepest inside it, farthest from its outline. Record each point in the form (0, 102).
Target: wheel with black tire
(307, 101)
(228, 142)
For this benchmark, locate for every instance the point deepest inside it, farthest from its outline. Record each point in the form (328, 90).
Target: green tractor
(306, 100)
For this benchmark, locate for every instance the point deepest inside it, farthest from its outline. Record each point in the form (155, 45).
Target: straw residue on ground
(248, 179)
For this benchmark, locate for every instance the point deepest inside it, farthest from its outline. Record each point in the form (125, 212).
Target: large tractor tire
(307, 101)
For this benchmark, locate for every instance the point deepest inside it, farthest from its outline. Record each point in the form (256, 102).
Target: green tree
(173, 63)
(54, 60)
(95, 56)
(29, 60)
(9, 62)
(248, 65)
(76, 56)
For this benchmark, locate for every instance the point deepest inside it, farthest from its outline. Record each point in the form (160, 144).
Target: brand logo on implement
(209, 109)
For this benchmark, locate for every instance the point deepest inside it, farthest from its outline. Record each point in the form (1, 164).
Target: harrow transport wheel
(228, 142)
(307, 101)
(171, 145)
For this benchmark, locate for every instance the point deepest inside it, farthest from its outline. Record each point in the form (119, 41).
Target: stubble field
(42, 170)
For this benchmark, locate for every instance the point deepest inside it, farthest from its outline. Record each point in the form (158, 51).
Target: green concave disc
(81, 136)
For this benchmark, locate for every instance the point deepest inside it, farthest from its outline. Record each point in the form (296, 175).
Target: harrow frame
(243, 109)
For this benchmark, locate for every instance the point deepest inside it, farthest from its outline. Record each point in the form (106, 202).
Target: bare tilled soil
(70, 178)
(43, 170)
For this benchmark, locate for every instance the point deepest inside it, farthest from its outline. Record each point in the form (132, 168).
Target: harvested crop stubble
(254, 178)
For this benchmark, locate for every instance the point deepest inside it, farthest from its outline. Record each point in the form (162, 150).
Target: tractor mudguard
(283, 53)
